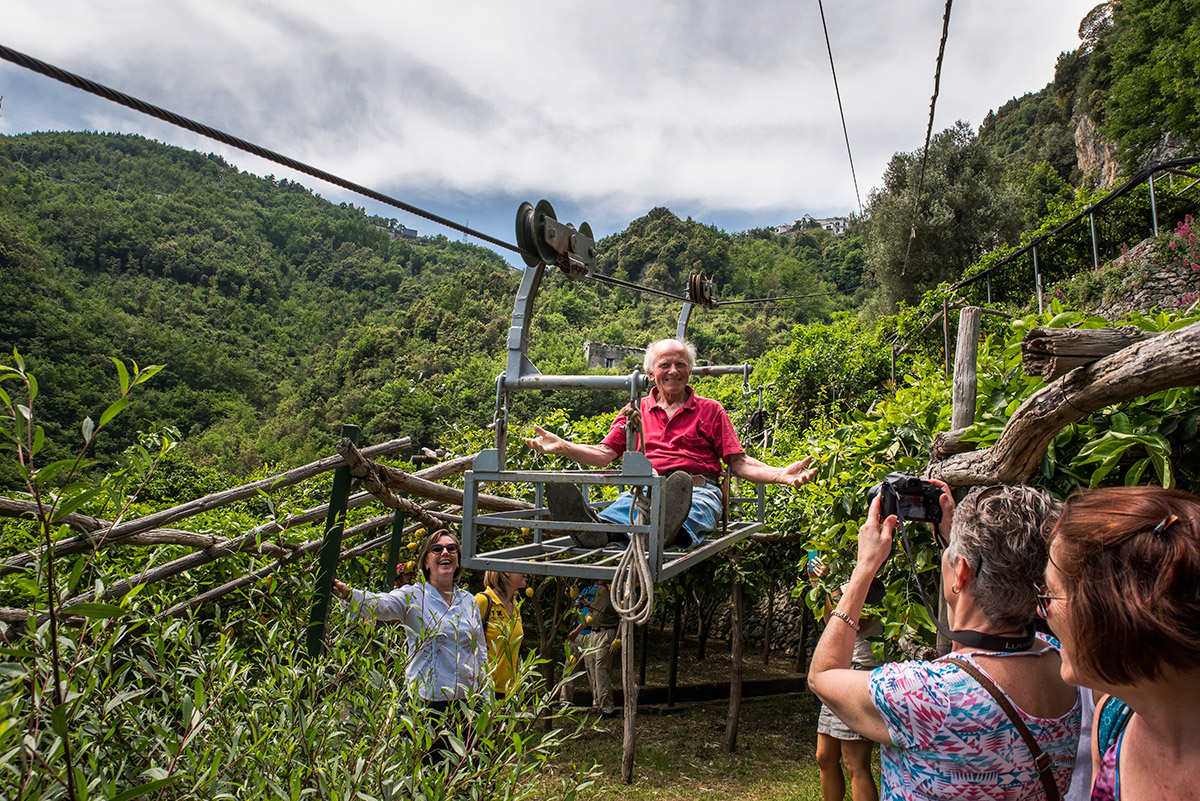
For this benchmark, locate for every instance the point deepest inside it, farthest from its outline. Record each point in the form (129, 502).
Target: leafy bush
(114, 700)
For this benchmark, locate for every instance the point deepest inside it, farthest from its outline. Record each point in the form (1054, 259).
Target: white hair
(657, 345)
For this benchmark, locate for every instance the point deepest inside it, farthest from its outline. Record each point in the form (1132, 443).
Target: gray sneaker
(567, 503)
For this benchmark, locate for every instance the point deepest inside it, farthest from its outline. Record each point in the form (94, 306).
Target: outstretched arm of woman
(844, 690)
(374, 605)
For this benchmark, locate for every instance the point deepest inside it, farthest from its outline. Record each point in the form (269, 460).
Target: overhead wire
(937, 80)
(838, 92)
(120, 98)
(128, 101)
(775, 299)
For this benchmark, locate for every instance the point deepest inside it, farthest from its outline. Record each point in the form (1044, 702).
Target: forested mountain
(279, 315)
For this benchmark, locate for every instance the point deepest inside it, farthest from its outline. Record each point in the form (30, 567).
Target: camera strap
(975, 639)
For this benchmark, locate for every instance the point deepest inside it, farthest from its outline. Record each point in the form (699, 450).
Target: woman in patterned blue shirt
(942, 734)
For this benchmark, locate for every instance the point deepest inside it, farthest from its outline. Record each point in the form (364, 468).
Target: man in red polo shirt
(683, 432)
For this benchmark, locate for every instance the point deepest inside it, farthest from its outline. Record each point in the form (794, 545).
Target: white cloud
(723, 108)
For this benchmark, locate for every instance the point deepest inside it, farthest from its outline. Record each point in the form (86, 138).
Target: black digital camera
(908, 497)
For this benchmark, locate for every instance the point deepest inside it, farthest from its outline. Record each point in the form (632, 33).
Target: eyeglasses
(448, 547)
(1044, 599)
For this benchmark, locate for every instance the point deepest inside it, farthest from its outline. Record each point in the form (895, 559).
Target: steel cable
(100, 90)
(838, 92)
(937, 80)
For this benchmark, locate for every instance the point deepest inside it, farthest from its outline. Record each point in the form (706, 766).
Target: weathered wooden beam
(450, 467)
(13, 507)
(396, 480)
(1053, 352)
(289, 556)
(162, 518)
(1151, 365)
(94, 541)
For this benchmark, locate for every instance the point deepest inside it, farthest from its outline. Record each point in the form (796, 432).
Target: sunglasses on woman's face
(448, 547)
(1044, 599)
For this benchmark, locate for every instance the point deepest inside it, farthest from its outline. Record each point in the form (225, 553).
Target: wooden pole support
(335, 523)
(735, 670)
(630, 692)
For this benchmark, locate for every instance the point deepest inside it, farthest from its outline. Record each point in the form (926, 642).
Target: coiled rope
(632, 591)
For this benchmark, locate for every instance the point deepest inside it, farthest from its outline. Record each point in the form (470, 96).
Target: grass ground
(678, 753)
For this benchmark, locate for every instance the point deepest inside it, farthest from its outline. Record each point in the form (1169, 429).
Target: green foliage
(1151, 439)
(1034, 129)
(964, 209)
(1155, 89)
(280, 316)
(109, 698)
(826, 368)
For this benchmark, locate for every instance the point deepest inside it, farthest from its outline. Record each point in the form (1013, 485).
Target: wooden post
(962, 410)
(802, 646)
(966, 355)
(735, 670)
(643, 645)
(629, 690)
(335, 523)
(674, 670)
(393, 557)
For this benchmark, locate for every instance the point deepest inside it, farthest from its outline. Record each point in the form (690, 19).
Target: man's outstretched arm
(751, 469)
(590, 455)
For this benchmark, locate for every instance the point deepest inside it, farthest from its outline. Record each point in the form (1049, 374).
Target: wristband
(851, 623)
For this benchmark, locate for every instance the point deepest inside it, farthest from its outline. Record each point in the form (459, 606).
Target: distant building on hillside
(393, 227)
(835, 225)
(609, 357)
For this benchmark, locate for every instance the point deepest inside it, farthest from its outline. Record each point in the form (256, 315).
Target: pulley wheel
(525, 240)
(540, 213)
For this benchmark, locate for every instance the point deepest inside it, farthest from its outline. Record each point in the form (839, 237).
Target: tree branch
(1169, 360)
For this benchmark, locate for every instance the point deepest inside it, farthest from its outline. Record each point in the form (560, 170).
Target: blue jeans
(703, 518)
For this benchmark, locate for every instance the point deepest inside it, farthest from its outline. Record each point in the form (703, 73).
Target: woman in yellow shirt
(502, 622)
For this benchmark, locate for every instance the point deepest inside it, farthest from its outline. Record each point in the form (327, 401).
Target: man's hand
(797, 473)
(546, 442)
(589, 455)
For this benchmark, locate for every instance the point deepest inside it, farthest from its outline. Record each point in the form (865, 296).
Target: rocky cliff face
(1097, 156)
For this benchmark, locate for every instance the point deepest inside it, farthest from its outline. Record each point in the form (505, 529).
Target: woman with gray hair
(991, 719)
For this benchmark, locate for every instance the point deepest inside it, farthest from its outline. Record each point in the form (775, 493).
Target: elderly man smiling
(687, 437)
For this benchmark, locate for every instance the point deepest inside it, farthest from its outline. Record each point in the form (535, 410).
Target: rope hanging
(632, 591)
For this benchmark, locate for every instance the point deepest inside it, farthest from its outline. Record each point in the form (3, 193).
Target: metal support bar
(1037, 281)
(1095, 250)
(1153, 207)
(335, 524)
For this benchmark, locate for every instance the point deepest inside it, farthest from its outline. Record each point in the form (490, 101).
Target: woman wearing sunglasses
(1122, 592)
(944, 734)
(446, 642)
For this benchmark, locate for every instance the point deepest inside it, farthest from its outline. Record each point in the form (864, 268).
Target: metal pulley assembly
(544, 240)
(702, 291)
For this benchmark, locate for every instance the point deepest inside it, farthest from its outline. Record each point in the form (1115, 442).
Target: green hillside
(280, 315)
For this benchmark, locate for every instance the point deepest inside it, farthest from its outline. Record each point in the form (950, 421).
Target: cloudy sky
(721, 111)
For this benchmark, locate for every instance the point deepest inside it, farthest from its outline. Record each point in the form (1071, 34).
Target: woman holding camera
(1123, 592)
(944, 734)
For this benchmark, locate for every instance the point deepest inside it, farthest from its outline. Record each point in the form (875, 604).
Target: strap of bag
(1114, 716)
(488, 610)
(1041, 760)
